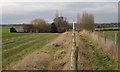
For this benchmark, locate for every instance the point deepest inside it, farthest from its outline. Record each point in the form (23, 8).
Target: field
(7, 35)
(51, 51)
(18, 45)
(108, 34)
(107, 28)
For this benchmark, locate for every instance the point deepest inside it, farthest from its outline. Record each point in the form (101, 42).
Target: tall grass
(106, 45)
(97, 56)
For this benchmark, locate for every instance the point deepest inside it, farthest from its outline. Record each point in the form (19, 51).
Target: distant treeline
(9, 25)
(108, 29)
(106, 25)
(60, 24)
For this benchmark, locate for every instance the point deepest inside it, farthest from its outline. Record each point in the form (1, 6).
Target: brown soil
(33, 62)
(63, 41)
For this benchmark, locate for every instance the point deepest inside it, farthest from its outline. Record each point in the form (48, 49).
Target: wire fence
(73, 55)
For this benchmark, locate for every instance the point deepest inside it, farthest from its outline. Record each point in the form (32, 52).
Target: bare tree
(78, 18)
(56, 15)
(61, 23)
(91, 22)
(37, 25)
(28, 28)
(78, 22)
(86, 21)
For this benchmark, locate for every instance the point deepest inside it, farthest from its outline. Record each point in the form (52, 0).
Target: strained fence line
(73, 65)
(73, 53)
(70, 56)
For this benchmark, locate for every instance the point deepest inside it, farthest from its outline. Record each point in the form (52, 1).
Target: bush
(53, 28)
(13, 30)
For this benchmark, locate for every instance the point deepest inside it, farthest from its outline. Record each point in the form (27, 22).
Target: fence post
(104, 36)
(103, 33)
(116, 40)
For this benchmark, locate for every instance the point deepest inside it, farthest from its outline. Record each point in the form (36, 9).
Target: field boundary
(73, 54)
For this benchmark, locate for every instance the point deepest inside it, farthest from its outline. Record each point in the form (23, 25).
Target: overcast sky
(24, 12)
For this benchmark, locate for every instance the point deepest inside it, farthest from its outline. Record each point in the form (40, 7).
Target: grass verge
(97, 56)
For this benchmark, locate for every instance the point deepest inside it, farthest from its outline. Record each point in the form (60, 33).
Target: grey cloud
(103, 11)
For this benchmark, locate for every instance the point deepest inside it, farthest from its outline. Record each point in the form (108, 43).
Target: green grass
(98, 57)
(15, 49)
(54, 48)
(108, 34)
(7, 35)
(107, 28)
(57, 57)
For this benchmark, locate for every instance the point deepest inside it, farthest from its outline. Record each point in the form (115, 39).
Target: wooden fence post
(116, 45)
(104, 36)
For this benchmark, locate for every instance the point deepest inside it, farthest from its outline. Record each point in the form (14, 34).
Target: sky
(16, 11)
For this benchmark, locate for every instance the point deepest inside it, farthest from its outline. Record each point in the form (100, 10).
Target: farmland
(108, 34)
(18, 45)
(107, 28)
(51, 51)
(7, 35)
(58, 36)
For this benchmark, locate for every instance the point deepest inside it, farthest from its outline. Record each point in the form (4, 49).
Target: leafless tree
(86, 21)
(37, 25)
(61, 23)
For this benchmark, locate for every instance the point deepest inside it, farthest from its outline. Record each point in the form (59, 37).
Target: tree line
(86, 21)
(60, 24)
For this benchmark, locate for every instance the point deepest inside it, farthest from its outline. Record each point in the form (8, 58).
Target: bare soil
(33, 62)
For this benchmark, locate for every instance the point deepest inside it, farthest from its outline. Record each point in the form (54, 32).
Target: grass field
(40, 52)
(108, 34)
(107, 28)
(7, 35)
(18, 45)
